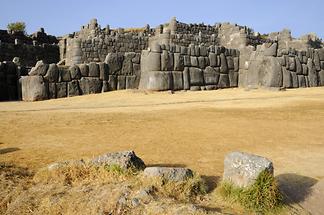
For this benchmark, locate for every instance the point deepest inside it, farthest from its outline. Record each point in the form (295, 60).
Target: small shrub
(17, 27)
(262, 196)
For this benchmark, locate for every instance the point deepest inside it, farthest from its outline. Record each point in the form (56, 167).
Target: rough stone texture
(301, 81)
(94, 70)
(156, 80)
(84, 69)
(177, 78)
(224, 81)
(112, 82)
(34, 88)
(233, 78)
(312, 74)
(286, 78)
(242, 169)
(211, 77)
(105, 87)
(321, 77)
(196, 77)
(39, 69)
(65, 74)
(178, 62)
(51, 90)
(121, 85)
(271, 51)
(169, 173)
(104, 71)
(186, 79)
(73, 88)
(131, 82)
(90, 85)
(61, 89)
(150, 61)
(115, 62)
(125, 160)
(75, 72)
(294, 79)
(52, 74)
(127, 68)
(223, 62)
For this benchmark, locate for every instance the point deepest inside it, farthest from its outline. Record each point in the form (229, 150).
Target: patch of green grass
(261, 197)
(115, 169)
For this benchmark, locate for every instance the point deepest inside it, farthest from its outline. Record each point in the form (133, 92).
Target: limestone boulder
(156, 80)
(73, 88)
(211, 77)
(75, 72)
(84, 69)
(196, 77)
(242, 169)
(103, 71)
(312, 74)
(224, 81)
(90, 85)
(65, 75)
(52, 74)
(115, 62)
(39, 69)
(150, 61)
(125, 160)
(169, 173)
(121, 84)
(34, 88)
(61, 90)
(94, 70)
(177, 79)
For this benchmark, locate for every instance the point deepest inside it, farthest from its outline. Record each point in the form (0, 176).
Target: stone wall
(189, 68)
(9, 73)
(52, 81)
(92, 44)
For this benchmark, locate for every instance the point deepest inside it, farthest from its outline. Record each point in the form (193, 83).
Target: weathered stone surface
(286, 78)
(195, 88)
(265, 71)
(292, 64)
(94, 70)
(230, 63)
(127, 68)
(164, 60)
(104, 71)
(177, 78)
(125, 160)
(121, 85)
(321, 78)
(39, 69)
(115, 62)
(299, 68)
(312, 74)
(75, 72)
(211, 77)
(317, 62)
(65, 74)
(186, 60)
(193, 61)
(90, 85)
(131, 82)
(178, 62)
(196, 77)
(223, 81)
(242, 169)
(201, 62)
(112, 82)
(271, 51)
(301, 81)
(52, 74)
(223, 64)
(233, 78)
(61, 90)
(169, 173)
(236, 64)
(294, 80)
(105, 86)
(84, 69)
(34, 88)
(51, 90)
(305, 69)
(186, 79)
(156, 80)
(150, 61)
(73, 88)
(212, 60)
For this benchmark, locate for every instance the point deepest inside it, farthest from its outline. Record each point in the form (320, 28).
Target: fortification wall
(189, 68)
(51, 81)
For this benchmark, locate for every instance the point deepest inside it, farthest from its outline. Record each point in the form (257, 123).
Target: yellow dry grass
(193, 129)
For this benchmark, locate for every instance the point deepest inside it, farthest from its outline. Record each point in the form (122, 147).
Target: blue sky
(60, 17)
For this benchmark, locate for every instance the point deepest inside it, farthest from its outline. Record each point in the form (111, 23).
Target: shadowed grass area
(261, 197)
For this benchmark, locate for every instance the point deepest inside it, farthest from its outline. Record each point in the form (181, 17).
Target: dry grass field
(191, 129)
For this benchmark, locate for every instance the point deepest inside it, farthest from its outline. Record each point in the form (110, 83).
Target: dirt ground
(192, 129)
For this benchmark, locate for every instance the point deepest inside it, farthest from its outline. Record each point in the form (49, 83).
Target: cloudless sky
(60, 17)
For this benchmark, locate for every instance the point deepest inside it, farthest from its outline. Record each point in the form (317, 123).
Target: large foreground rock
(242, 169)
(39, 69)
(169, 173)
(125, 160)
(156, 80)
(34, 88)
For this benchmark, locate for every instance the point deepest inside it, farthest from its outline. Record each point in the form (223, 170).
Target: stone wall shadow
(295, 188)
(8, 150)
